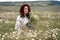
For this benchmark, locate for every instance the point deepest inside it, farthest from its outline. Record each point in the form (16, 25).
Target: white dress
(21, 21)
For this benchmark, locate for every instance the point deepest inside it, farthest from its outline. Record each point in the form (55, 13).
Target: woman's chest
(24, 21)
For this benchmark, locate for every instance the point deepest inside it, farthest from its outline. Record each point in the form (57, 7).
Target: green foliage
(33, 20)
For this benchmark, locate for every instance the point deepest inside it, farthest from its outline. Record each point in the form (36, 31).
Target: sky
(17, 0)
(25, 0)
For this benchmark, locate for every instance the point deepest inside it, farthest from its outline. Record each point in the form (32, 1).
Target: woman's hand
(24, 28)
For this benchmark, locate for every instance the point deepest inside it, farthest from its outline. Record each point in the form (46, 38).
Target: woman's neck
(24, 15)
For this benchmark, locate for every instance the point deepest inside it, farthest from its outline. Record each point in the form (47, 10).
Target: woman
(23, 22)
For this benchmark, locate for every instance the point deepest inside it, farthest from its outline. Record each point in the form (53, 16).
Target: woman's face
(25, 9)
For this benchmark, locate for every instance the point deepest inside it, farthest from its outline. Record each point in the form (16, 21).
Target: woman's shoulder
(18, 17)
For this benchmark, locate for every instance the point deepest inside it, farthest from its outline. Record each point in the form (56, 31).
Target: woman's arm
(17, 25)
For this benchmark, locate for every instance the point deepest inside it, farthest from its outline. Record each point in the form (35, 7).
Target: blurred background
(45, 14)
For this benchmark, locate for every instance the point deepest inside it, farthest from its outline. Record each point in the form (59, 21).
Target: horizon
(24, 0)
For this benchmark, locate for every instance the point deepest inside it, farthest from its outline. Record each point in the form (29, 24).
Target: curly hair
(21, 11)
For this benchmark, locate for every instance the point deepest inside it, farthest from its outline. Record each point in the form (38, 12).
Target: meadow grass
(38, 19)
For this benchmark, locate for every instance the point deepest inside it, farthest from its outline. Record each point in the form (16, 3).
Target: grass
(6, 27)
(42, 17)
(40, 24)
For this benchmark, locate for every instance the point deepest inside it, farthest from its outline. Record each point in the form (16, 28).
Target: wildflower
(2, 38)
(32, 38)
(6, 33)
(53, 35)
(10, 33)
(13, 32)
(17, 37)
(47, 31)
(30, 30)
(51, 30)
(39, 39)
(56, 33)
(3, 35)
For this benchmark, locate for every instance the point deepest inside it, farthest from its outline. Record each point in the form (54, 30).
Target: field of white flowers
(46, 26)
